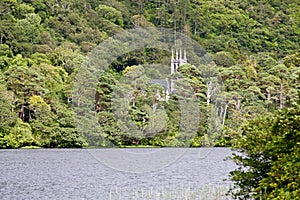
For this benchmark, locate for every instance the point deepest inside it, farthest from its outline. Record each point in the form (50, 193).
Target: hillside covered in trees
(254, 44)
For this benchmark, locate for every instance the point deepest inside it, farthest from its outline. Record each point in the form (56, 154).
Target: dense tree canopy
(254, 46)
(268, 157)
(244, 94)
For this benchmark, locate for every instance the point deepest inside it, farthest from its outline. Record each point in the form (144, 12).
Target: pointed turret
(184, 56)
(172, 58)
(180, 56)
(172, 63)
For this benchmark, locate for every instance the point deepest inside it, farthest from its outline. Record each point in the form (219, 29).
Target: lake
(133, 173)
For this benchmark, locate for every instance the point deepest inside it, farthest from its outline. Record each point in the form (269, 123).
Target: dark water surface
(83, 174)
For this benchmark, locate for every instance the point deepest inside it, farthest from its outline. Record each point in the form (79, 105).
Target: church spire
(172, 62)
(180, 56)
(178, 60)
(172, 58)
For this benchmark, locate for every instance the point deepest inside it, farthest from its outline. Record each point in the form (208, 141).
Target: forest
(253, 46)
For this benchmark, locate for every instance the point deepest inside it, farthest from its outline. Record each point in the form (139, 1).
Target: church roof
(161, 82)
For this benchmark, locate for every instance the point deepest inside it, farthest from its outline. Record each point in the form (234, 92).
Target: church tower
(176, 61)
(168, 83)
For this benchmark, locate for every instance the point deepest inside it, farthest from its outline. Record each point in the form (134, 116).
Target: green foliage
(223, 59)
(110, 13)
(254, 44)
(268, 157)
(20, 135)
(8, 118)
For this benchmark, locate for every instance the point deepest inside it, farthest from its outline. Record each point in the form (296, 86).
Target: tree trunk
(269, 95)
(224, 114)
(21, 112)
(195, 29)
(281, 100)
(238, 104)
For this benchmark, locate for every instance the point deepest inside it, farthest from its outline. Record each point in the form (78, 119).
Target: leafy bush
(268, 159)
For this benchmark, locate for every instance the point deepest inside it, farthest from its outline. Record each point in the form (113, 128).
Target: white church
(178, 58)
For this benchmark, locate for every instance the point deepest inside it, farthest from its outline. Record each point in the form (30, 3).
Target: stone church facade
(178, 58)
